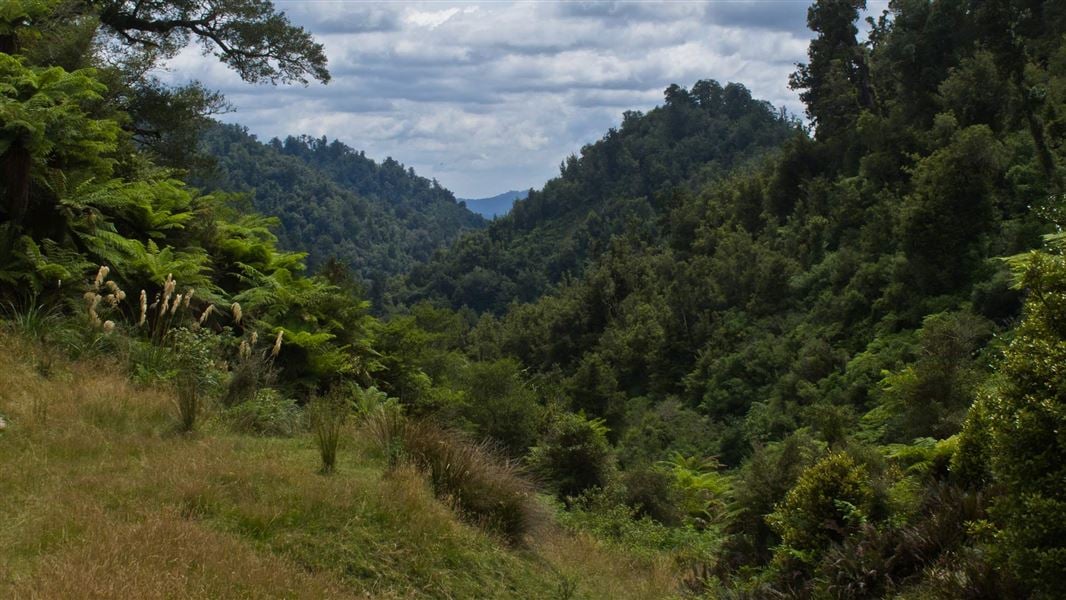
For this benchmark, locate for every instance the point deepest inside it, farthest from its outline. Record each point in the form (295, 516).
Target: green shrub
(831, 499)
(197, 374)
(703, 492)
(971, 463)
(574, 456)
(877, 561)
(150, 363)
(269, 413)
(758, 488)
(598, 511)
(500, 406)
(369, 401)
(651, 492)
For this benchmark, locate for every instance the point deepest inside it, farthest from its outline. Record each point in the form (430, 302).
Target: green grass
(100, 499)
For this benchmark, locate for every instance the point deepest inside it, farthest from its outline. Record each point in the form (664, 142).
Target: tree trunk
(8, 43)
(15, 164)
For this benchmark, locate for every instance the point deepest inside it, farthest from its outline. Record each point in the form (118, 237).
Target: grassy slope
(98, 499)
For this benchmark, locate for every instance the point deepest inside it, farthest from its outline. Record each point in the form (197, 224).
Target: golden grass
(100, 499)
(165, 555)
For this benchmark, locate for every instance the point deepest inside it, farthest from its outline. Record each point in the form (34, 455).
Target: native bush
(831, 499)
(574, 455)
(197, 375)
(268, 413)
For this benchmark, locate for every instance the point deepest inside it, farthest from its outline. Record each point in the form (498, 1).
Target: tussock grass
(327, 416)
(164, 555)
(480, 483)
(485, 487)
(101, 500)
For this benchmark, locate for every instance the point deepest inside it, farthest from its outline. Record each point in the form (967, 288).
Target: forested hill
(626, 178)
(334, 202)
(839, 324)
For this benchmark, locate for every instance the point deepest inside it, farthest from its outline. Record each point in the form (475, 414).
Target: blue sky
(491, 96)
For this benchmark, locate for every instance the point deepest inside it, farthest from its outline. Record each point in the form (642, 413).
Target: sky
(491, 96)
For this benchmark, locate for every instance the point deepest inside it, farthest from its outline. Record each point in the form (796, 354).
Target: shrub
(652, 493)
(574, 456)
(598, 511)
(879, 561)
(368, 402)
(758, 488)
(1027, 420)
(151, 363)
(327, 415)
(269, 413)
(501, 406)
(197, 374)
(702, 491)
(831, 499)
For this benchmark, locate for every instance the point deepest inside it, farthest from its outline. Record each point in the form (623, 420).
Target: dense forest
(626, 177)
(792, 360)
(334, 202)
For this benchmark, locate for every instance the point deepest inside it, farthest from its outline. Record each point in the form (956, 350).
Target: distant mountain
(379, 219)
(496, 206)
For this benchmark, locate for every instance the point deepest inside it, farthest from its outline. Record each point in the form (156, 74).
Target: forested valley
(728, 352)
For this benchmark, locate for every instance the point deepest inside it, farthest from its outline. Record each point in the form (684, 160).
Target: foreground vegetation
(108, 500)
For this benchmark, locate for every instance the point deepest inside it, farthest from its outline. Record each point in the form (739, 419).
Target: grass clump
(250, 373)
(33, 319)
(327, 416)
(484, 487)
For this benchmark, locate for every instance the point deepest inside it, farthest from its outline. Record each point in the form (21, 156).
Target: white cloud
(490, 97)
(431, 19)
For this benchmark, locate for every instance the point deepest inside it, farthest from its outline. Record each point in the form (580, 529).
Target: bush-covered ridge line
(379, 220)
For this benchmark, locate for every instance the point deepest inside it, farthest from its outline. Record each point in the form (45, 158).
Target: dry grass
(100, 499)
(166, 555)
(483, 486)
(600, 572)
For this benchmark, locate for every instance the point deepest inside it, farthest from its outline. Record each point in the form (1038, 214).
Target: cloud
(491, 97)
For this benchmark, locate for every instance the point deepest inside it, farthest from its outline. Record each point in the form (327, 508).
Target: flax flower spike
(101, 275)
(277, 343)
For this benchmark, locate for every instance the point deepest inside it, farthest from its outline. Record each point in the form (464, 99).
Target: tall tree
(835, 83)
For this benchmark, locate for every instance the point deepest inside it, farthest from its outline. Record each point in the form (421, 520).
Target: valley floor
(100, 499)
